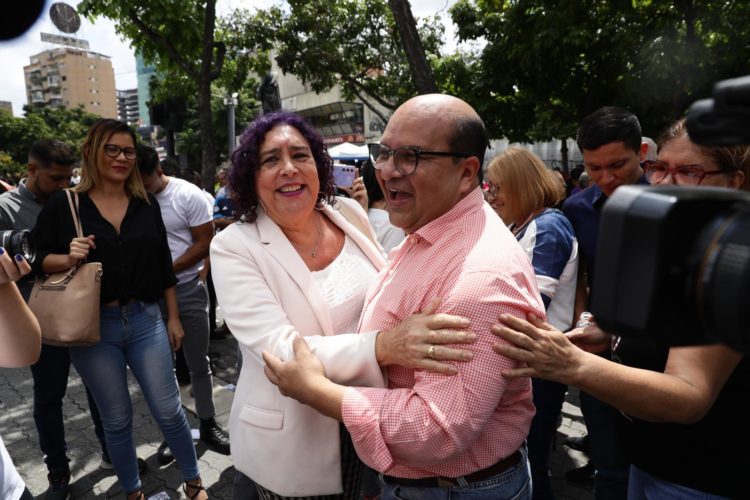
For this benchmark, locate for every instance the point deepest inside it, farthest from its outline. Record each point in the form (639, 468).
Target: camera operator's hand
(20, 336)
(11, 269)
(79, 249)
(545, 349)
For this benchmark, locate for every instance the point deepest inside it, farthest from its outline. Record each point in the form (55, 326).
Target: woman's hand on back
(419, 342)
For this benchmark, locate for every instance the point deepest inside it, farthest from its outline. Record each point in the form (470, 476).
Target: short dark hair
(374, 193)
(48, 151)
(576, 172)
(609, 124)
(148, 159)
(245, 161)
(170, 166)
(469, 135)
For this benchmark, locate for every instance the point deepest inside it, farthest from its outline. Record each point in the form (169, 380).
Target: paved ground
(89, 481)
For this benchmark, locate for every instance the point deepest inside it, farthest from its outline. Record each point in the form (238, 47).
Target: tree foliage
(545, 64)
(188, 140)
(351, 43)
(17, 134)
(179, 38)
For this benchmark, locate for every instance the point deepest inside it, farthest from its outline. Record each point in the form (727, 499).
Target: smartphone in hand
(344, 175)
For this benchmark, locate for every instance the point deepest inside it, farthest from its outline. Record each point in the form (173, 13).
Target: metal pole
(231, 102)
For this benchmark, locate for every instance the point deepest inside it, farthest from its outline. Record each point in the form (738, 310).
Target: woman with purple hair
(298, 264)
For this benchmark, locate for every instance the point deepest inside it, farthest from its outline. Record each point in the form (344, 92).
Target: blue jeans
(644, 486)
(512, 484)
(135, 336)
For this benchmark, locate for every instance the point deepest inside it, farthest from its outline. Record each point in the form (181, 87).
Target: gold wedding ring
(431, 352)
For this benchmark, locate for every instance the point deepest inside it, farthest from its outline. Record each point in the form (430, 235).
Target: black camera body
(673, 265)
(18, 242)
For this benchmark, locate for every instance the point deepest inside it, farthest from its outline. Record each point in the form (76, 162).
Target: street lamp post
(231, 103)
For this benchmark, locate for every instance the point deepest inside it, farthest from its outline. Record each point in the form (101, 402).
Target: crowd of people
(412, 335)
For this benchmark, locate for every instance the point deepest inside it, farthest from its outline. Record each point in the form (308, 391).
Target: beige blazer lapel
(366, 243)
(279, 247)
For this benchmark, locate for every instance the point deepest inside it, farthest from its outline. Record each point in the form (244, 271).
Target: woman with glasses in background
(124, 231)
(686, 418)
(522, 190)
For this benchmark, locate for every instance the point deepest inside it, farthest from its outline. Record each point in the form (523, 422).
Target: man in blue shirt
(611, 144)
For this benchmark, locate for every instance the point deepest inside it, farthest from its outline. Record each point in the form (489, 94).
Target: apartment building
(67, 76)
(127, 107)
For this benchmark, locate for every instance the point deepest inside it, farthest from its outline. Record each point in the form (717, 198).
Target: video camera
(673, 263)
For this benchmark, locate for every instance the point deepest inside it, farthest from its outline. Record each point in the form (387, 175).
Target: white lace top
(344, 284)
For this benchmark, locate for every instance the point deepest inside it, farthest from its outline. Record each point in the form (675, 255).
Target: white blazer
(268, 297)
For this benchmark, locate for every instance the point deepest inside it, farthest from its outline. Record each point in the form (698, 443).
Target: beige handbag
(67, 304)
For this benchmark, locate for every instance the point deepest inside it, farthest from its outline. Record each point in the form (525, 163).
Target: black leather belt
(442, 482)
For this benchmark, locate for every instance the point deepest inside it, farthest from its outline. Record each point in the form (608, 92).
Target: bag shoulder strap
(73, 203)
(355, 221)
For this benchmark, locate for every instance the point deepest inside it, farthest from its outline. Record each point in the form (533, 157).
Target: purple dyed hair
(245, 161)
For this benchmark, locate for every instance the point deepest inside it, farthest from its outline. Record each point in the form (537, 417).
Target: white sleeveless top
(344, 284)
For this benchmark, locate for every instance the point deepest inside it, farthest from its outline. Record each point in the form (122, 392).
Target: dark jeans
(211, 302)
(605, 449)
(50, 375)
(548, 399)
(243, 488)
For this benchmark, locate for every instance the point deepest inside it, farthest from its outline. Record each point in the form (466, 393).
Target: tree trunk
(564, 154)
(424, 80)
(205, 114)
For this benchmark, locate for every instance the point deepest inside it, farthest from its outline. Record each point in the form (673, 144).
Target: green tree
(188, 140)
(351, 43)
(17, 134)
(179, 38)
(544, 64)
(421, 73)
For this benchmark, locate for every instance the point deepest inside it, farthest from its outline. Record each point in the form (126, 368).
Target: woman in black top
(124, 231)
(687, 429)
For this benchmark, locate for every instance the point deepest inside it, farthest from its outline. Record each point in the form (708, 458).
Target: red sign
(340, 139)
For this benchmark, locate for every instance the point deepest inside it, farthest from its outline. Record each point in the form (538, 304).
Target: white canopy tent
(348, 151)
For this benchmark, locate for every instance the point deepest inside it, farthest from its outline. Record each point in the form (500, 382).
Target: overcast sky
(15, 54)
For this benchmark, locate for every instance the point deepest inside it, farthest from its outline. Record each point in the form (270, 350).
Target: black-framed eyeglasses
(113, 151)
(406, 158)
(493, 188)
(690, 175)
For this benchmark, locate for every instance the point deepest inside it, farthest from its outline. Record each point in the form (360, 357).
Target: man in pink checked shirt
(432, 435)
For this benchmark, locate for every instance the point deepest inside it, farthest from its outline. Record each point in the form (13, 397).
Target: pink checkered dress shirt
(427, 424)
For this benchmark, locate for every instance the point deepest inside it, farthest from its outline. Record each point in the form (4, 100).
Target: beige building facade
(69, 77)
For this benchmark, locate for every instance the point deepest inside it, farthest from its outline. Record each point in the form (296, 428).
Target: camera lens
(18, 242)
(724, 283)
